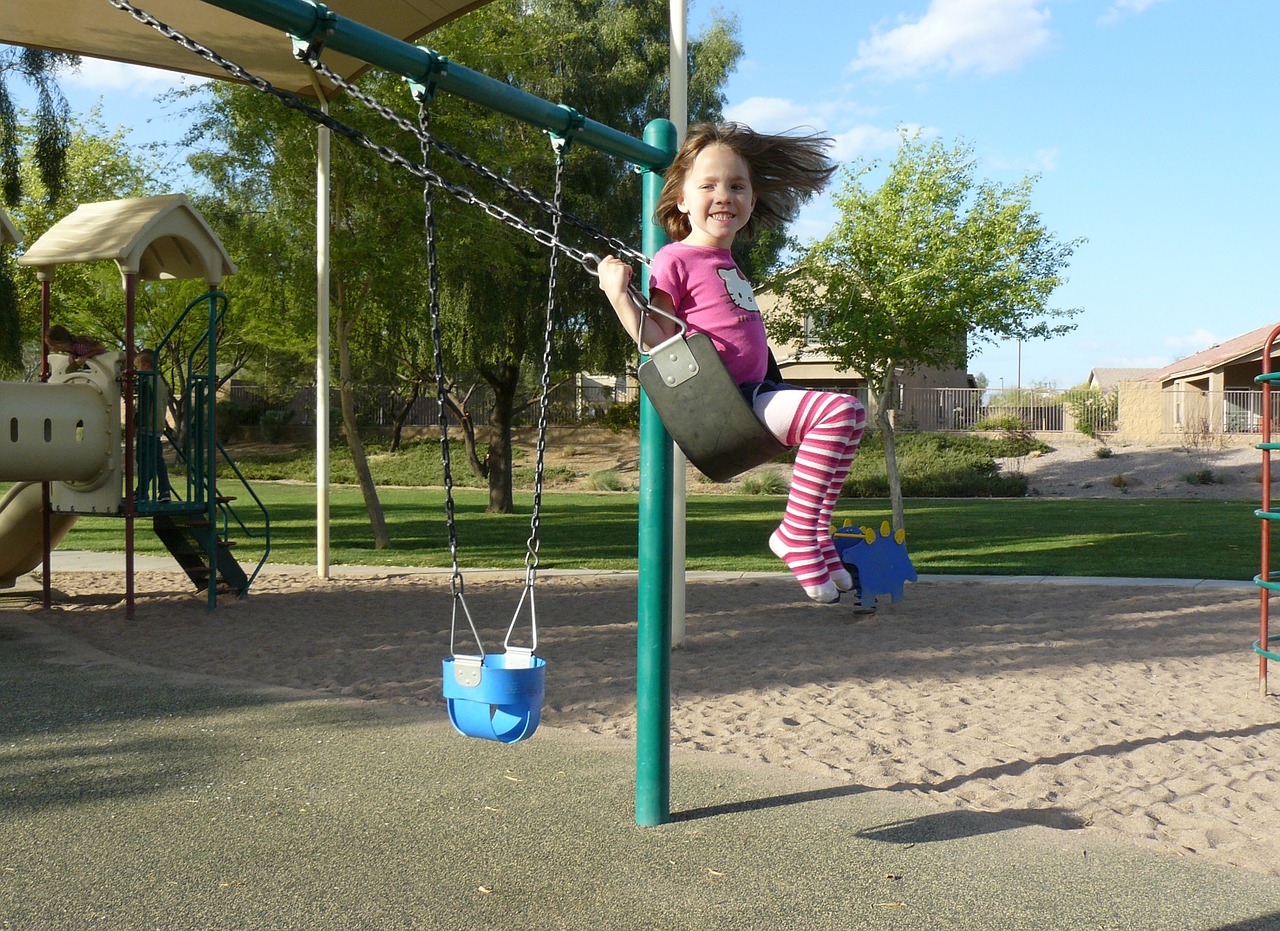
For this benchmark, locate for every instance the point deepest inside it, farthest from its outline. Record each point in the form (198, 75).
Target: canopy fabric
(97, 29)
(151, 237)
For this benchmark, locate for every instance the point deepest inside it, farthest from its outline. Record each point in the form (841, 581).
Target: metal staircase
(197, 525)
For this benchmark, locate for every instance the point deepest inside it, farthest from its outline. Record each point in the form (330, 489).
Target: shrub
(604, 480)
(1103, 452)
(274, 423)
(768, 482)
(941, 466)
(1201, 477)
(621, 417)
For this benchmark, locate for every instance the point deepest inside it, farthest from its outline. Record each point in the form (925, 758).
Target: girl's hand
(615, 276)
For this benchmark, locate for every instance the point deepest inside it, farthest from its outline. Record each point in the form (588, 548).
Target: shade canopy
(151, 237)
(9, 235)
(97, 29)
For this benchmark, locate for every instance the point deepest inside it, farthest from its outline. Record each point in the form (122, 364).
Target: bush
(937, 465)
(621, 417)
(605, 480)
(1103, 452)
(768, 482)
(1201, 477)
(274, 423)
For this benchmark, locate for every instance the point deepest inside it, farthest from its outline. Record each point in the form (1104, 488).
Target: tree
(87, 298)
(51, 134)
(918, 271)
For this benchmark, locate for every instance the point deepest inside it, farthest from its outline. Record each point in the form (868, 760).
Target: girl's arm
(615, 279)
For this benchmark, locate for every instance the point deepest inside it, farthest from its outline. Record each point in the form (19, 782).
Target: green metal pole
(306, 20)
(653, 646)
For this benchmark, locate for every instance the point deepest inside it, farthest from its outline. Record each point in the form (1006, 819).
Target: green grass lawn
(1148, 538)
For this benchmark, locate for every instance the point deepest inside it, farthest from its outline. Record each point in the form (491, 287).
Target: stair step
(227, 544)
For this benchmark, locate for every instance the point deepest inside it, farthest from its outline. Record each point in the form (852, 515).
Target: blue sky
(1152, 125)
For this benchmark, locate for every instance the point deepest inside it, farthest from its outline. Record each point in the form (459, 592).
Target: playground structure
(1266, 579)
(69, 441)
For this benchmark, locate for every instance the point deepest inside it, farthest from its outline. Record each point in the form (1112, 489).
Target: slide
(21, 548)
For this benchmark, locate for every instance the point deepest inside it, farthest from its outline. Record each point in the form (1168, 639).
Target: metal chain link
(531, 556)
(551, 208)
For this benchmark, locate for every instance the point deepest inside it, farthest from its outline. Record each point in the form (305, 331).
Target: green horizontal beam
(312, 21)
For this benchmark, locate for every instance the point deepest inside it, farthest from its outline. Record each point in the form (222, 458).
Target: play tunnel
(54, 433)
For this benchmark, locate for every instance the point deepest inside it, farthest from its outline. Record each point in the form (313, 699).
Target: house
(1109, 379)
(1210, 392)
(935, 409)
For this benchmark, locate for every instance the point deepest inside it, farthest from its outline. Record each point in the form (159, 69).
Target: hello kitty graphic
(739, 289)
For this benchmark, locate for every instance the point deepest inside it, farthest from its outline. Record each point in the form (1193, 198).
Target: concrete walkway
(138, 798)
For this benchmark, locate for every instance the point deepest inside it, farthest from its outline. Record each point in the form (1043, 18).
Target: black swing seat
(704, 410)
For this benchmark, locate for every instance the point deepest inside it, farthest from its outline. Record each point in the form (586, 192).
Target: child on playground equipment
(77, 348)
(153, 407)
(728, 179)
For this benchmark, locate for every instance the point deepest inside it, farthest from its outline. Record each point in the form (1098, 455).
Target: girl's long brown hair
(785, 171)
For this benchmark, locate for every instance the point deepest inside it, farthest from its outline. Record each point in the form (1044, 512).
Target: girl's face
(717, 196)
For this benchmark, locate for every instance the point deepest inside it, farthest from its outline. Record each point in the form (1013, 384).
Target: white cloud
(774, 114)
(1122, 8)
(1192, 342)
(957, 36)
(868, 141)
(111, 77)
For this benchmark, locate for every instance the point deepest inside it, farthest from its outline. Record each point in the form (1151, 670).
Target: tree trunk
(463, 416)
(884, 421)
(401, 417)
(504, 381)
(381, 537)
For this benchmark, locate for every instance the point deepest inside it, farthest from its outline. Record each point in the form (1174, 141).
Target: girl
(728, 180)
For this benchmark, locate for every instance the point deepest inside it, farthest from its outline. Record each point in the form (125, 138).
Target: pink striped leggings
(826, 427)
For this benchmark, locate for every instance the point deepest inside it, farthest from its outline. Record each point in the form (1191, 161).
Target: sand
(1129, 711)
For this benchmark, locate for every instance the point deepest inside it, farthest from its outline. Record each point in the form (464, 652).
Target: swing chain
(550, 207)
(437, 343)
(560, 146)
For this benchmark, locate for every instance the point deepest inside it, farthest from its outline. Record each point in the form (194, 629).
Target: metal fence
(586, 400)
(582, 401)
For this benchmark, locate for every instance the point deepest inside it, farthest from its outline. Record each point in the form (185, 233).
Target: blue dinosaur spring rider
(879, 563)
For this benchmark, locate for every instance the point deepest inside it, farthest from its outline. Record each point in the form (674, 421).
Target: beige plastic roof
(151, 237)
(9, 235)
(99, 30)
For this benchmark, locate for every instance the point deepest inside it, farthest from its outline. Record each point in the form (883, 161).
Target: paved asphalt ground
(134, 798)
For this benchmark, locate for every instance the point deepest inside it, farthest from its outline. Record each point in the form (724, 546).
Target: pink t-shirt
(711, 295)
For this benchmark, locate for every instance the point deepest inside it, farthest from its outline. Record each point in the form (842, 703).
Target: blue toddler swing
(495, 696)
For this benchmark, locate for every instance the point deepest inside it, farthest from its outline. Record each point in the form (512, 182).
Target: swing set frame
(312, 25)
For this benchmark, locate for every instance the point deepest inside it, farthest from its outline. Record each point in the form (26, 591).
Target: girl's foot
(809, 567)
(835, 566)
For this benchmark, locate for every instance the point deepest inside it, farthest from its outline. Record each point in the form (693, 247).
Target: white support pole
(679, 106)
(322, 344)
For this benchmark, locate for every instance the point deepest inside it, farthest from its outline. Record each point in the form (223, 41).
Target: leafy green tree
(920, 270)
(49, 131)
(86, 298)
(51, 124)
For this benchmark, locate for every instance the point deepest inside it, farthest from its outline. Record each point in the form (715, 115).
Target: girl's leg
(823, 426)
(835, 565)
